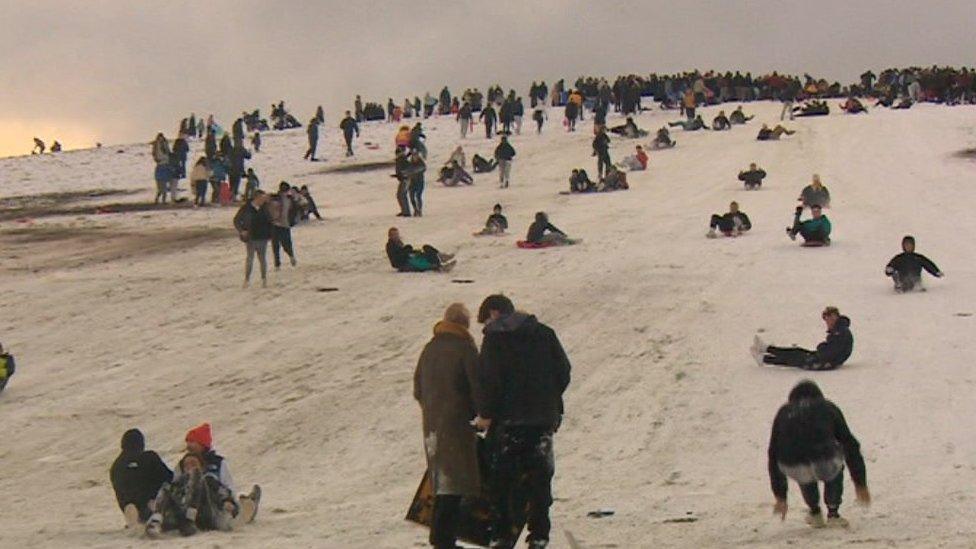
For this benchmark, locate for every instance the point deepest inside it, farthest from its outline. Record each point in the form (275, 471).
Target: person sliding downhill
(663, 139)
(407, 260)
(752, 177)
(732, 223)
(810, 443)
(721, 122)
(905, 269)
(830, 354)
(766, 134)
(691, 125)
(738, 117)
(497, 223)
(543, 232)
(814, 231)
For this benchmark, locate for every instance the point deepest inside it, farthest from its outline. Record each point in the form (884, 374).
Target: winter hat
(201, 435)
(133, 441)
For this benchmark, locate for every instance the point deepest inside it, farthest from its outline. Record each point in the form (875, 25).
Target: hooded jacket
(910, 264)
(839, 344)
(137, 474)
(810, 429)
(523, 372)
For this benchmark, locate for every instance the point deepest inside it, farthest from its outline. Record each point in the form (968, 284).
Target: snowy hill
(138, 319)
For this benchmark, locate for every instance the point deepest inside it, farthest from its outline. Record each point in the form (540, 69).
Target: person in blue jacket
(815, 230)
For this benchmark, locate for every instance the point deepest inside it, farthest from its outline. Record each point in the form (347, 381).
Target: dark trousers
(348, 145)
(521, 474)
(833, 490)
(310, 153)
(488, 128)
(402, 196)
(444, 524)
(721, 223)
(200, 192)
(538, 126)
(416, 192)
(281, 238)
(796, 357)
(214, 191)
(690, 113)
(235, 183)
(905, 282)
(602, 163)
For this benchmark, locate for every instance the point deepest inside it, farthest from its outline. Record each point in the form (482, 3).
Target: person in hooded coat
(829, 355)
(137, 475)
(446, 385)
(906, 268)
(523, 372)
(810, 443)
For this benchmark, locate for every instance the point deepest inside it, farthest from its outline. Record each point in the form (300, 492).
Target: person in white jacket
(199, 178)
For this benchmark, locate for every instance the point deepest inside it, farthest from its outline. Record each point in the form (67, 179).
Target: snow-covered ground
(129, 320)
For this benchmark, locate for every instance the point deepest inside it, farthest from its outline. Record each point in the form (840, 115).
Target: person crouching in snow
(407, 260)
(810, 443)
(831, 354)
(906, 268)
(732, 223)
(201, 495)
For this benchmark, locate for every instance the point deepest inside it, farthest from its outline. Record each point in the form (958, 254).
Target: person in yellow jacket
(689, 102)
(576, 97)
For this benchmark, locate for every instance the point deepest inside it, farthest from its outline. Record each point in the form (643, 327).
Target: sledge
(815, 243)
(548, 244)
(462, 281)
(475, 516)
(485, 232)
(326, 289)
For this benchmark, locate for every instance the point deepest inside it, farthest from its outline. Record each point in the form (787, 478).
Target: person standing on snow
(601, 150)
(349, 126)
(489, 117)
(810, 443)
(253, 224)
(446, 386)
(283, 212)
(523, 372)
(464, 118)
(313, 139)
(504, 153)
(906, 268)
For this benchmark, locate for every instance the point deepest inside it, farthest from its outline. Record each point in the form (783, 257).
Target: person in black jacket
(313, 139)
(504, 153)
(721, 122)
(810, 443)
(538, 231)
(489, 117)
(349, 126)
(496, 223)
(253, 224)
(752, 178)
(830, 354)
(524, 372)
(180, 150)
(601, 150)
(906, 268)
(732, 223)
(235, 168)
(137, 475)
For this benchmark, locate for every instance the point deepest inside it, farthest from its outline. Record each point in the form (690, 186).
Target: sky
(118, 71)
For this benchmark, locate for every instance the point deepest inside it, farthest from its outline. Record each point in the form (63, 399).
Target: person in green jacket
(815, 230)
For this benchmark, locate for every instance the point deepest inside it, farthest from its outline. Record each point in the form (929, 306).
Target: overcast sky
(118, 71)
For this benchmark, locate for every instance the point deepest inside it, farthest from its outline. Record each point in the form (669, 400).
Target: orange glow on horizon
(17, 136)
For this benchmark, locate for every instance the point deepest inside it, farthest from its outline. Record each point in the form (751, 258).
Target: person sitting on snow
(815, 193)
(497, 223)
(692, 125)
(407, 260)
(201, 494)
(453, 173)
(813, 231)
(752, 178)
(481, 165)
(739, 117)
(636, 162)
(628, 129)
(663, 139)
(766, 134)
(853, 106)
(732, 223)
(905, 269)
(579, 182)
(543, 232)
(137, 475)
(721, 122)
(615, 180)
(830, 354)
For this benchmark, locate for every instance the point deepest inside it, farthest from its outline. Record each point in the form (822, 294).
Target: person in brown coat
(446, 386)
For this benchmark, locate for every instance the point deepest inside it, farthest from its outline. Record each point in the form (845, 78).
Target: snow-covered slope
(128, 320)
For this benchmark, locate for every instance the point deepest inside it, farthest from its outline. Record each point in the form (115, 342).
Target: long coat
(445, 385)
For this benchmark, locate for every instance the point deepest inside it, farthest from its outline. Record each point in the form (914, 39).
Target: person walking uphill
(445, 384)
(810, 443)
(523, 373)
(349, 127)
(253, 224)
(504, 153)
(601, 150)
(313, 139)
(284, 212)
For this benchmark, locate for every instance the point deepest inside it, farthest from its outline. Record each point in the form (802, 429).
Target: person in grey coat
(446, 386)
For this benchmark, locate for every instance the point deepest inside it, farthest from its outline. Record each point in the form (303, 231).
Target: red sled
(526, 245)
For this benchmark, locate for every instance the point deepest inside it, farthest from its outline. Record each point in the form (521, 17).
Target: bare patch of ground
(37, 249)
(84, 202)
(359, 168)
